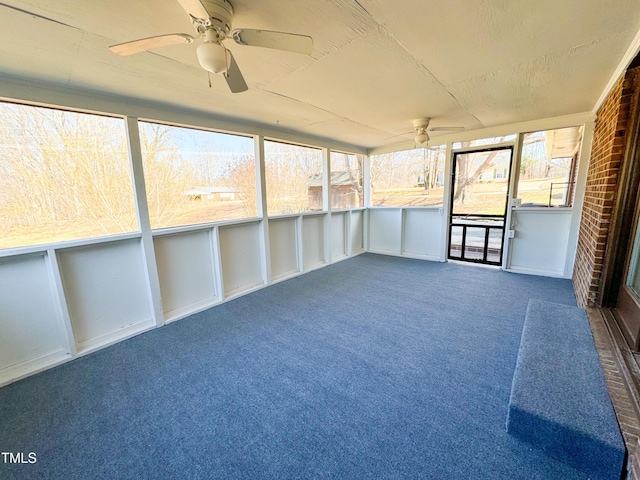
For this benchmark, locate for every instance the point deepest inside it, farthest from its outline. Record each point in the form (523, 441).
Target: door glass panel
(474, 245)
(455, 242)
(481, 182)
(494, 250)
(633, 279)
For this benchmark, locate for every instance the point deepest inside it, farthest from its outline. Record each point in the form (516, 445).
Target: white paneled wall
(414, 232)
(422, 233)
(33, 333)
(106, 292)
(283, 241)
(385, 230)
(539, 245)
(312, 241)
(339, 237)
(240, 254)
(187, 272)
(356, 231)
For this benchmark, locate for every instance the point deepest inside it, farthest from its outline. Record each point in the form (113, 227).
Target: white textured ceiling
(376, 65)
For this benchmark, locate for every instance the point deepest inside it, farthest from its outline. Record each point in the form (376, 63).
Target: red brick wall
(600, 194)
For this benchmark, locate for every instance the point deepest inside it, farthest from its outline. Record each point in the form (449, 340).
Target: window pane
(63, 176)
(408, 178)
(474, 243)
(194, 176)
(455, 243)
(346, 180)
(494, 246)
(484, 142)
(481, 182)
(293, 176)
(633, 277)
(548, 166)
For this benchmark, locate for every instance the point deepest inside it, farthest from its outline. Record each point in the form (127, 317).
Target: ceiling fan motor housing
(421, 123)
(220, 15)
(420, 126)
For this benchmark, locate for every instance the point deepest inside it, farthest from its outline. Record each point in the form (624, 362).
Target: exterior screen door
(479, 196)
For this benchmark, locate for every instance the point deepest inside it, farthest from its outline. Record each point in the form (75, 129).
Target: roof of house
(338, 178)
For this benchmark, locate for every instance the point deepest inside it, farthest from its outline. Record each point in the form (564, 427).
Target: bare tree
(243, 177)
(288, 170)
(167, 175)
(468, 173)
(64, 170)
(66, 175)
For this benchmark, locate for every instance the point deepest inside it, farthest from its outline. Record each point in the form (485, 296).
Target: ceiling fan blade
(445, 129)
(234, 78)
(400, 135)
(195, 8)
(289, 42)
(144, 44)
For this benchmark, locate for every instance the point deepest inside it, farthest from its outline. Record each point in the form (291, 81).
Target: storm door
(479, 196)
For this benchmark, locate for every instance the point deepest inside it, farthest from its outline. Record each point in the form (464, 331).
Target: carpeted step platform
(559, 399)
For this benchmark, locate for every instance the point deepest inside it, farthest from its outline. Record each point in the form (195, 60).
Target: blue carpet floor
(559, 399)
(375, 367)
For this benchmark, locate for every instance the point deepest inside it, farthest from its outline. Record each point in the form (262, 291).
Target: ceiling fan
(421, 129)
(212, 21)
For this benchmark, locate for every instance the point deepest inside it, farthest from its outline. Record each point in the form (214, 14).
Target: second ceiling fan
(212, 21)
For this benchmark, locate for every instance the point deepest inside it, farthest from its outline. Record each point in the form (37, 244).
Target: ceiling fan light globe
(421, 138)
(212, 57)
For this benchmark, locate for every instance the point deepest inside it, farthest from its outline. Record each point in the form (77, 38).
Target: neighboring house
(217, 194)
(497, 171)
(344, 191)
(420, 180)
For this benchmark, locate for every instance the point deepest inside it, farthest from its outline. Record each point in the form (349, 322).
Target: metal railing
(565, 194)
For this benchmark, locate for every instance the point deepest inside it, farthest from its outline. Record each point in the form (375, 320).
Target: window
(293, 176)
(346, 180)
(408, 178)
(548, 167)
(195, 176)
(63, 176)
